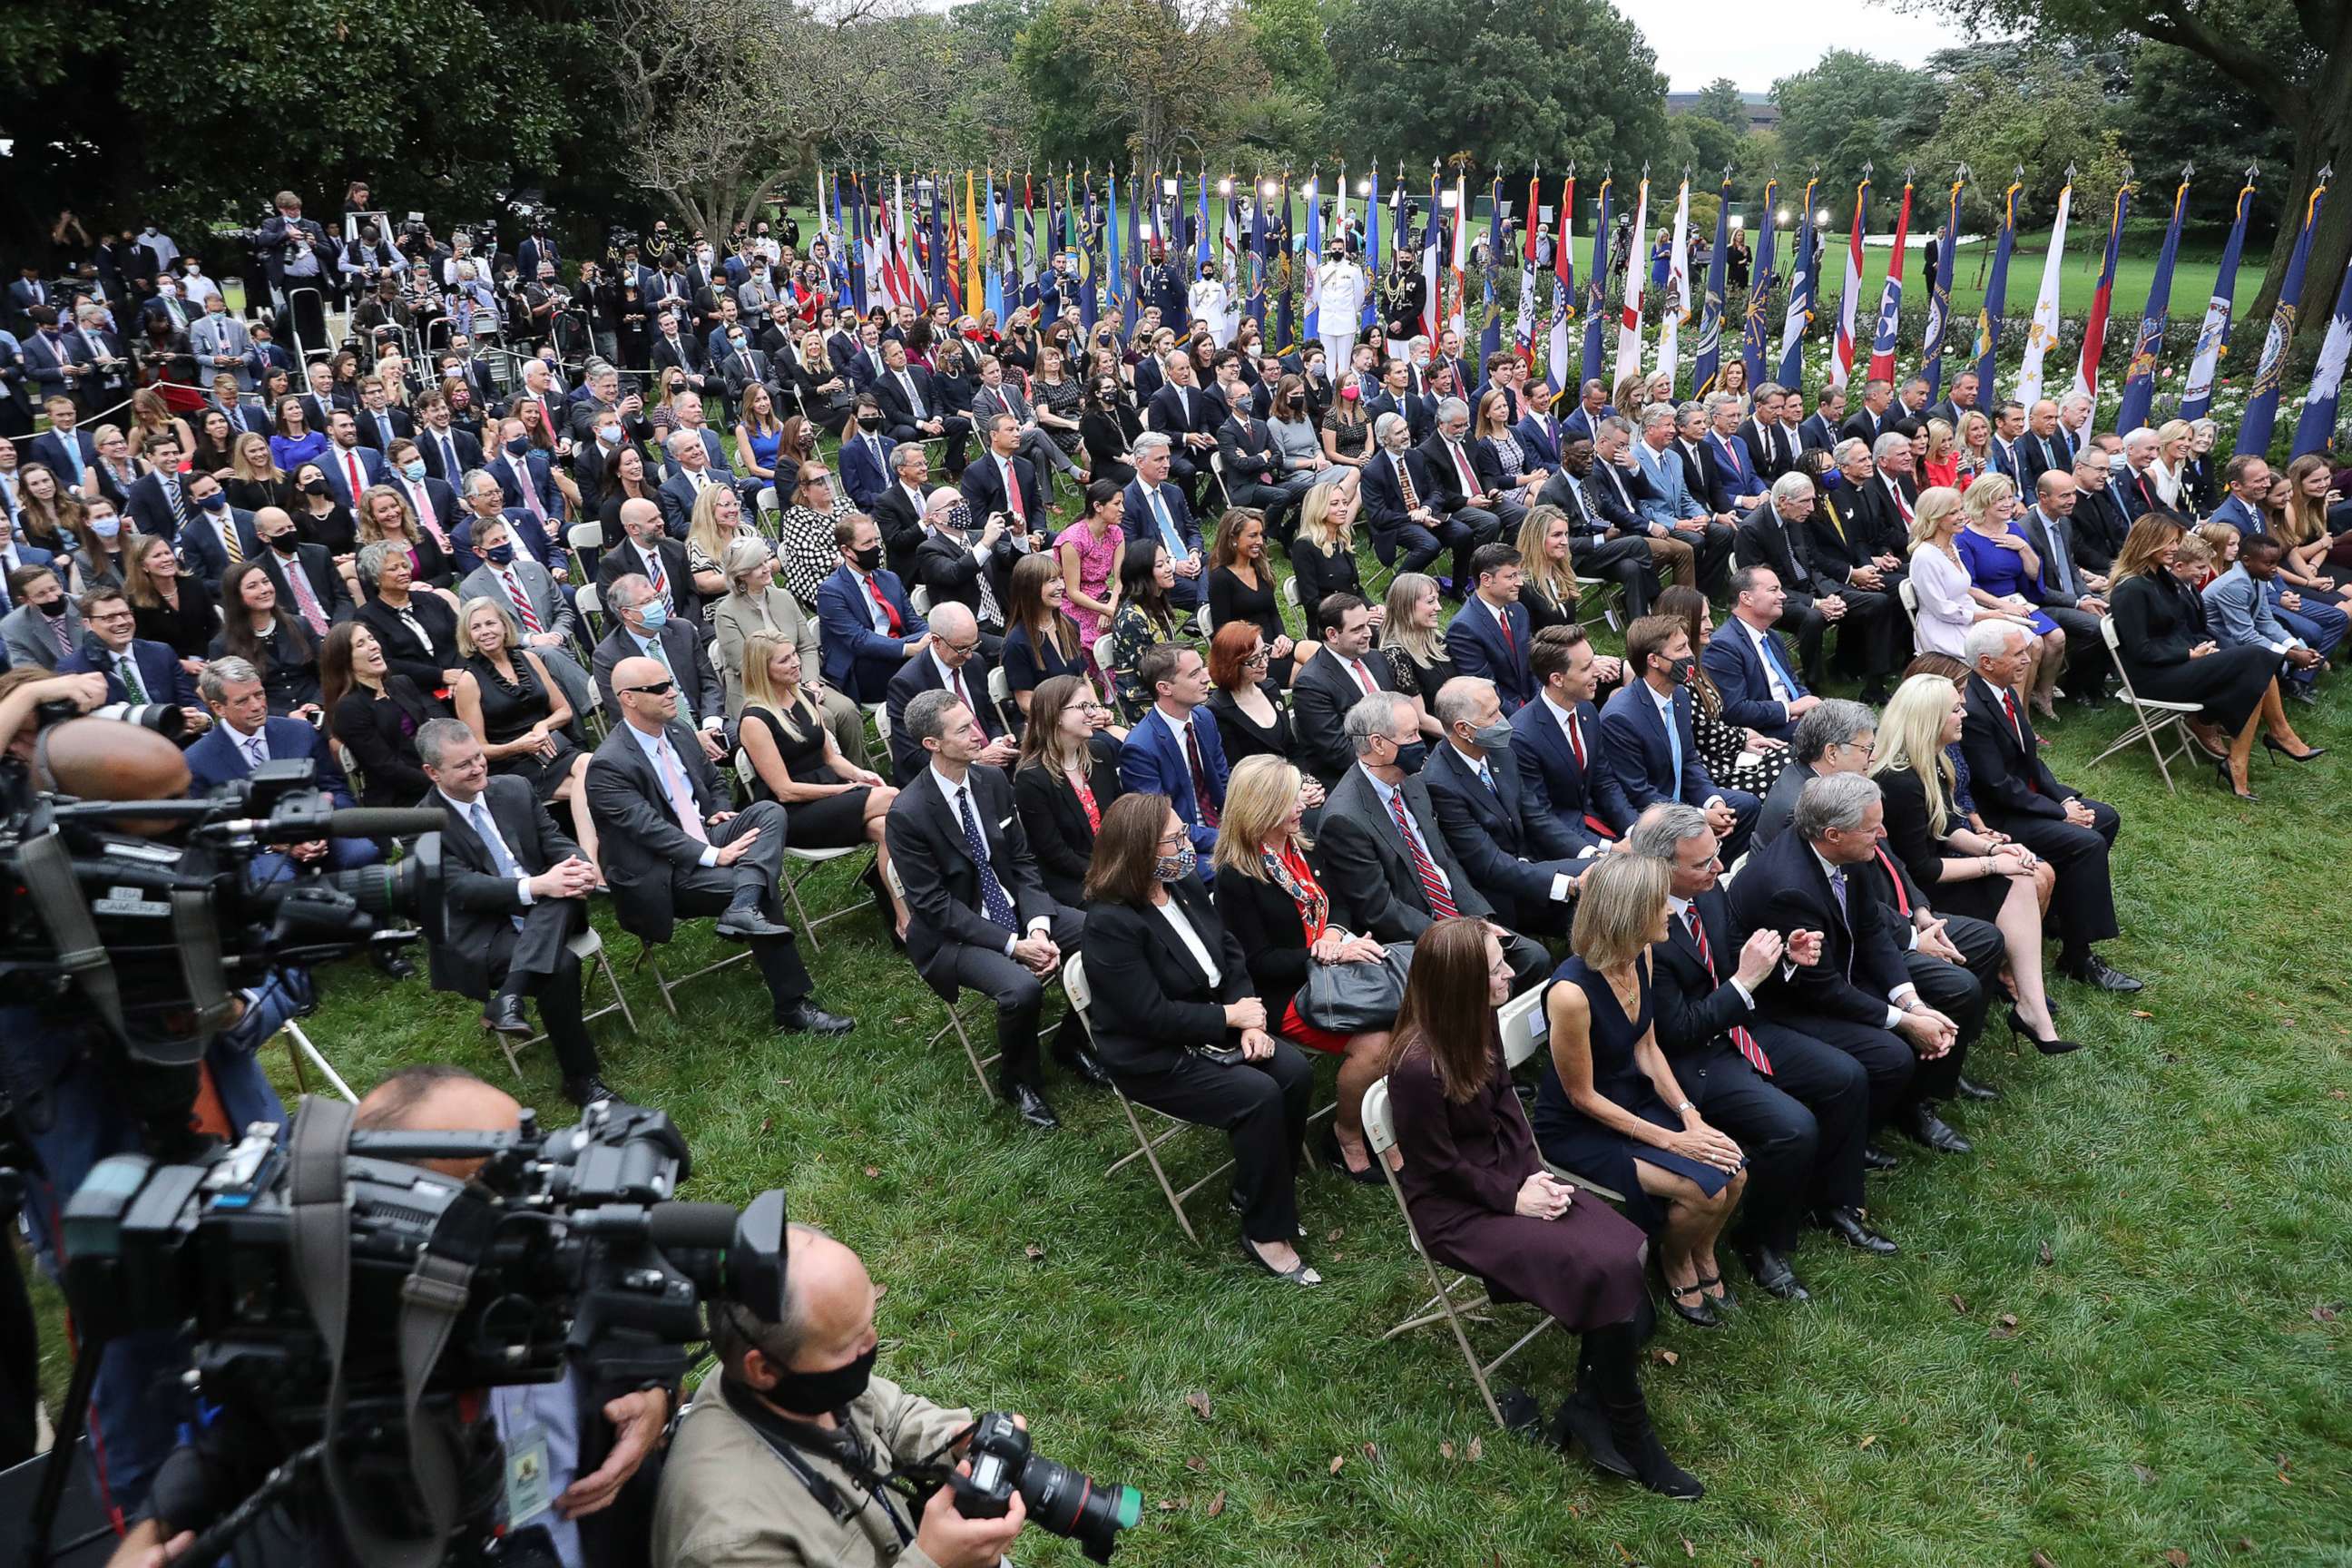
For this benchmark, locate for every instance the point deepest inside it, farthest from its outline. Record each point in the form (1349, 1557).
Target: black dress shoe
(1847, 1225)
(1332, 1155)
(393, 963)
(2050, 1048)
(748, 925)
(2094, 971)
(1691, 1305)
(1875, 1158)
(586, 1091)
(1772, 1274)
(1968, 1088)
(1922, 1125)
(2300, 691)
(1081, 1064)
(1877, 694)
(805, 1017)
(1032, 1107)
(504, 1015)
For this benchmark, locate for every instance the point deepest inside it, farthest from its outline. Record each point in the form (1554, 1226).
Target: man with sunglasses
(672, 849)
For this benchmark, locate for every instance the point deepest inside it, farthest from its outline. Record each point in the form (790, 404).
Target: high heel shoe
(2052, 1047)
(2306, 754)
(2222, 776)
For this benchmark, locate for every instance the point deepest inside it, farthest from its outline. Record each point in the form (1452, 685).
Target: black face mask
(869, 421)
(56, 608)
(284, 543)
(315, 487)
(868, 558)
(822, 1392)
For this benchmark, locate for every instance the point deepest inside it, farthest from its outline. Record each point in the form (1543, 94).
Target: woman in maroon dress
(1483, 1202)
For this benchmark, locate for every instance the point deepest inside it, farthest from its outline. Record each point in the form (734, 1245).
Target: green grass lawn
(2163, 1216)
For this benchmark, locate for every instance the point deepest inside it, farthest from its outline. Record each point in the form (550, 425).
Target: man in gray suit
(645, 628)
(45, 626)
(2068, 594)
(1388, 869)
(997, 396)
(220, 344)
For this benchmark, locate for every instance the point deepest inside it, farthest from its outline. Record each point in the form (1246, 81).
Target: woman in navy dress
(1480, 1200)
(2004, 573)
(1607, 1106)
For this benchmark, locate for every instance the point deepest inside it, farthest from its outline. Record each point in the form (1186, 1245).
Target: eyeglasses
(1258, 656)
(658, 689)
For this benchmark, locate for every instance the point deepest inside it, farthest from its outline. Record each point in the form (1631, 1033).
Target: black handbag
(1350, 998)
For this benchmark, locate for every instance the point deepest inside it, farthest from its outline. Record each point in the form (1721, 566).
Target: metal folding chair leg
(803, 863)
(646, 960)
(298, 1046)
(588, 948)
(980, 1063)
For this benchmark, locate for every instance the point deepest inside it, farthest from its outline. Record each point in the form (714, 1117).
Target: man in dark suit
(1189, 417)
(1799, 1108)
(450, 454)
(1174, 749)
(309, 586)
(869, 460)
(1774, 535)
(642, 627)
(1962, 400)
(158, 501)
(674, 348)
(205, 541)
(2008, 430)
(516, 893)
(1607, 537)
(243, 737)
(1000, 482)
(1592, 408)
(1648, 741)
(1253, 472)
(1540, 430)
(866, 624)
(2100, 524)
(1733, 482)
(1390, 872)
(909, 399)
(1860, 534)
(980, 916)
(1456, 495)
(1870, 421)
(1819, 432)
(1555, 740)
(955, 664)
(1490, 636)
(380, 424)
(647, 550)
(1398, 396)
(690, 474)
(2043, 448)
(348, 463)
(67, 451)
(967, 562)
(1156, 509)
(1858, 995)
(670, 847)
(136, 670)
(1771, 445)
(264, 356)
(525, 478)
(2017, 795)
(1502, 831)
(1752, 669)
(2068, 592)
(1345, 670)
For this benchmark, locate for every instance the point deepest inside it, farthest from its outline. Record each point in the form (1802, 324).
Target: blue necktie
(1780, 663)
(993, 901)
(1837, 887)
(500, 861)
(1672, 716)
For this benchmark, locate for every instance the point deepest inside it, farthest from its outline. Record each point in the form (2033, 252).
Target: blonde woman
(1548, 569)
(2174, 438)
(1323, 554)
(1948, 601)
(1983, 876)
(1976, 448)
(712, 528)
(507, 698)
(2003, 569)
(1941, 466)
(1271, 891)
(795, 763)
(255, 481)
(1415, 645)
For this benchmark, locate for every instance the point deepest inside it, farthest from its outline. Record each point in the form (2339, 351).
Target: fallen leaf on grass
(2177, 1557)
(1688, 1549)
(1196, 1464)
(767, 1123)
(1958, 1304)
(2146, 1476)
(1199, 1404)
(2048, 1257)
(1032, 1252)
(1335, 1232)
(1868, 1439)
(2006, 1328)
(2142, 1013)
(1477, 1449)
(2322, 1313)
(1170, 1504)
(1371, 1451)
(1337, 1461)
(1445, 1450)
(1669, 1358)
(1216, 1505)
(2043, 1560)
(873, 1169)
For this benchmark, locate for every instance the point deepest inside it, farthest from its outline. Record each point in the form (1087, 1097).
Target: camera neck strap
(46, 867)
(841, 1443)
(431, 1299)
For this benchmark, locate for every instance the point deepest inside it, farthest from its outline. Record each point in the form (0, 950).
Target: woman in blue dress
(2004, 573)
(1608, 1107)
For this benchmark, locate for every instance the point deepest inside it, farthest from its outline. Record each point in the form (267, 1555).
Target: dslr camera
(1061, 1501)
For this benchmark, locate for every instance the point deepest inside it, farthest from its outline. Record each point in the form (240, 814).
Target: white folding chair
(1908, 592)
(1000, 692)
(920, 598)
(589, 949)
(2155, 720)
(1202, 620)
(669, 987)
(1603, 586)
(799, 864)
(980, 1063)
(1217, 466)
(583, 537)
(1446, 1303)
(590, 602)
(1524, 1029)
(298, 1048)
(1147, 1146)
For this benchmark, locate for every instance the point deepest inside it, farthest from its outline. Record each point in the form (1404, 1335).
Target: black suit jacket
(1266, 923)
(641, 845)
(1512, 854)
(400, 650)
(1385, 513)
(1320, 695)
(1839, 544)
(1437, 460)
(1152, 1000)
(1056, 822)
(1762, 540)
(942, 880)
(469, 455)
(481, 903)
(2007, 776)
(921, 674)
(983, 490)
(313, 561)
(1782, 888)
(1374, 882)
(892, 397)
(1694, 1010)
(622, 559)
(902, 531)
(378, 731)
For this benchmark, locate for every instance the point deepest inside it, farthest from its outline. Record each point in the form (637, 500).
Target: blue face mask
(1834, 480)
(517, 449)
(499, 554)
(655, 614)
(413, 468)
(1409, 758)
(216, 503)
(106, 527)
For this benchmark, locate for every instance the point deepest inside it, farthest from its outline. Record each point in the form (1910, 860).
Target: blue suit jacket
(860, 477)
(1151, 762)
(1475, 640)
(1541, 435)
(1634, 749)
(1738, 670)
(200, 545)
(370, 465)
(159, 670)
(1188, 590)
(858, 658)
(524, 528)
(1583, 803)
(2234, 512)
(215, 760)
(1670, 500)
(50, 448)
(542, 479)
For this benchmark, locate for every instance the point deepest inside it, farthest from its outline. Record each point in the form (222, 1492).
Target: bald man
(956, 661)
(670, 847)
(804, 1388)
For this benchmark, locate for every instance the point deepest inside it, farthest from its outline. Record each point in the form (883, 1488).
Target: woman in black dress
(1040, 640)
(795, 763)
(171, 608)
(255, 479)
(1246, 703)
(1240, 588)
(320, 517)
(1547, 570)
(375, 713)
(1481, 1201)
(1065, 778)
(1966, 872)
(415, 628)
(520, 715)
(1107, 428)
(2165, 650)
(625, 481)
(1323, 555)
(255, 627)
(1415, 647)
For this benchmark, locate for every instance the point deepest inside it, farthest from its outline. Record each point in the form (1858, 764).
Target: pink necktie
(426, 515)
(306, 599)
(531, 622)
(681, 796)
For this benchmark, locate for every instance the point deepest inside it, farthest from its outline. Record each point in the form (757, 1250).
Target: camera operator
(596, 1519)
(368, 260)
(301, 263)
(782, 1456)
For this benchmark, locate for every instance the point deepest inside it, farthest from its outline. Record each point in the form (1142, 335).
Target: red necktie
(889, 610)
(1441, 902)
(358, 481)
(955, 676)
(1576, 744)
(1739, 1037)
(1012, 497)
(1462, 463)
(1503, 618)
(531, 622)
(1200, 777)
(1902, 900)
(1363, 675)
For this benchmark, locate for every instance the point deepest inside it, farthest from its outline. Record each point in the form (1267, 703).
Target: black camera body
(1061, 1500)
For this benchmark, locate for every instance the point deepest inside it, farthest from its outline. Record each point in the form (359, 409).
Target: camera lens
(1069, 1503)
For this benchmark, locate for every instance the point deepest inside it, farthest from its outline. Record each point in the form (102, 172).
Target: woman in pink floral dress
(1090, 554)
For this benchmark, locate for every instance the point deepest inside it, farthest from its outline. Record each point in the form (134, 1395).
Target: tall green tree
(2041, 119)
(1512, 85)
(1147, 81)
(1850, 109)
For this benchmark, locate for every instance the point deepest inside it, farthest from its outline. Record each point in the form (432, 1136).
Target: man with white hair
(2074, 422)
(2132, 487)
(954, 663)
(690, 475)
(1457, 495)
(1775, 535)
